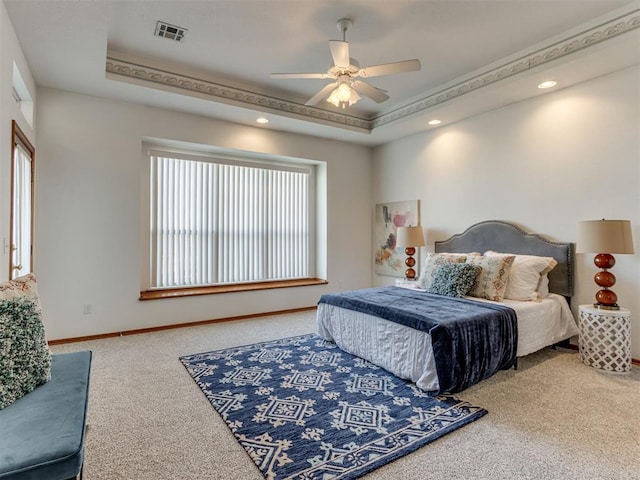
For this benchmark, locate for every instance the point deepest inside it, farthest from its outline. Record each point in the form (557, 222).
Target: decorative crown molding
(228, 94)
(560, 49)
(232, 95)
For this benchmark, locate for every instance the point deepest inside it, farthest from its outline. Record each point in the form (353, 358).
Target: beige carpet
(553, 418)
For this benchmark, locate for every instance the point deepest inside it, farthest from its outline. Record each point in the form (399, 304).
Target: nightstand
(410, 284)
(604, 339)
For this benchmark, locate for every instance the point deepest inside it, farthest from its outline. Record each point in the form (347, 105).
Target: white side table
(604, 339)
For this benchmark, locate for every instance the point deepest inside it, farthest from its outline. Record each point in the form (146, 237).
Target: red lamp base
(605, 299)
(410, 273)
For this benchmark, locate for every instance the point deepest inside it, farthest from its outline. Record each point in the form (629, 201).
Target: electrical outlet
(87, 309)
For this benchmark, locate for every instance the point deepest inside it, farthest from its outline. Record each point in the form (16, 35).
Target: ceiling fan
(346, 89)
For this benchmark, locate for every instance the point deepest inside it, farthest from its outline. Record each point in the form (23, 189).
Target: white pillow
(543, 289)
(525, 277)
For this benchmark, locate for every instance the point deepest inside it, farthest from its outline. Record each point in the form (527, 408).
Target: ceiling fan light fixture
(354, 97)
(346, 89)
(343, 92)
(342, 95)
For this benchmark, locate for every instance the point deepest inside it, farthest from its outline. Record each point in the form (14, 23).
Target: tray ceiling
(475, 55)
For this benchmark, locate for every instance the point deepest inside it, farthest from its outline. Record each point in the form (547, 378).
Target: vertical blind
(220, 223)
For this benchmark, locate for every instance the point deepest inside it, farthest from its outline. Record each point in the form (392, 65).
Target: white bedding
(407, 352)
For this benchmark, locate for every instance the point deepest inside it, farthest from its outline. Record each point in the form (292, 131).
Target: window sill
(239, 287)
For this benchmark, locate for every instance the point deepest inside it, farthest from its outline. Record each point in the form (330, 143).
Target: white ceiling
(475, 55)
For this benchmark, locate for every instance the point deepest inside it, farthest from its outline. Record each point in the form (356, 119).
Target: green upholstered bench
(42, 433)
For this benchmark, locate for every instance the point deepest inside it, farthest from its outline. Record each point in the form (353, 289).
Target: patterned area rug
(302, 408)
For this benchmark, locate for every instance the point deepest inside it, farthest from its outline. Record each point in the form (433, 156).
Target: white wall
(87, 249)
(10, 52)
(545, 164)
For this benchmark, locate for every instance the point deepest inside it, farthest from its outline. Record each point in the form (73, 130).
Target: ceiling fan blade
(370, 91)
(299, 75)
(340, 53)
(321, 94)
(389, 68)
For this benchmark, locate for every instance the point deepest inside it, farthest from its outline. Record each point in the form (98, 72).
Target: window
(22, 169)
(222, 221)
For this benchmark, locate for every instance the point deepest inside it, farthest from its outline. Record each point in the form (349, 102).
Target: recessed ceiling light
(548, 84)
(435, 121)
(262, 120)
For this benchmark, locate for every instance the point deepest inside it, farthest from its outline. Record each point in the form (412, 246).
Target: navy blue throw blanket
(471, 340)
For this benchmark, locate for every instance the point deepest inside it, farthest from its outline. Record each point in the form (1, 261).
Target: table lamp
(410, 238)
(605, 237)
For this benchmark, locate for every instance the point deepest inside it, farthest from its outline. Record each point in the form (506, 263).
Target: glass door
(21, 205)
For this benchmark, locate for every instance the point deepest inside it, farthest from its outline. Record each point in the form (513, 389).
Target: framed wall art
(388, 217)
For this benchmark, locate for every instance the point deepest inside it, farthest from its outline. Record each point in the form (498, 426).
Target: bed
(444, 343)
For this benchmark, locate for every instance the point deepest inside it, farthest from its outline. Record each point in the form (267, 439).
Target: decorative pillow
(526, 275)
(25, 358)
(21, 287)
(432, 261)
(454, 279)
(543, 289)
(491, 282)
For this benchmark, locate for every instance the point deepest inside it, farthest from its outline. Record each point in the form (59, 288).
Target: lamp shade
(410, 237)
(605, 236)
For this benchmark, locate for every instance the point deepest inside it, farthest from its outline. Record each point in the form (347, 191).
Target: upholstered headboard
(508, 238)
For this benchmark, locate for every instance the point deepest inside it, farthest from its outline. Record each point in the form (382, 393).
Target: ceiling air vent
(172, 32)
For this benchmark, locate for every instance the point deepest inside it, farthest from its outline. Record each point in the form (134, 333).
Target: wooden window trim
(238, 287)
